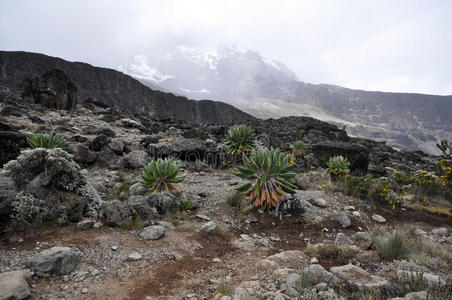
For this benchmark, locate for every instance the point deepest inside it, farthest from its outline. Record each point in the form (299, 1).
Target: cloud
(388, 45)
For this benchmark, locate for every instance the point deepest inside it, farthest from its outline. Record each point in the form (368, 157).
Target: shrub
(356, 186)
(184, 206)
(341, 254)
(338, 166)
(298, 148)
(385, 191)
(49, 141)
(444, 147)
(235, 199)
(267, 171)
(240, 138)
(160, 175)
(391, 246)
(424, 183)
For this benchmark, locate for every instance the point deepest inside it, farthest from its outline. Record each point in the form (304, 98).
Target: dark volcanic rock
(106, 87)
(99, 142)
(53, 89)
(356, 154)
(11, 143)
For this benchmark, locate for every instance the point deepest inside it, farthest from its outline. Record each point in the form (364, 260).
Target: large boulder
(50, 179)
(116, 213)
(15, 285)
(52, 89)
(154, 232)
(164, 202)
(56, 260)
(82, 154)
(141, 205)
(356, 154)
(134, 160)
(7, 195)
(99, 142)
(11, 144)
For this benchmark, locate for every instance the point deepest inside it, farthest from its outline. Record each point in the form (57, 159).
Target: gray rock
(164, 202)
(7, 194)
(154, 232)
(322, 286)
(422, 295)
(358, 277)
(141, 205)
(82, 154)
(378, 218)
(134, 160)
(99, 142)
(129, 123)
(208, 227)
(117, 146)
(216, 260)
(135, 256)
(362, 236)
(116, 213)
(291, 280)
(85, 224)
(343, 219)
(442, 232)
(15, 285)
(106, 158)
(320, 202)
(419, 231)
(166, 224)
(56, 260)
(342, 239)
(203, 217)
(318, 274)
(84, 291)
(138, 189)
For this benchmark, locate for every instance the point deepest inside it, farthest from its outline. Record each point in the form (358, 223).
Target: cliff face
(115, 89)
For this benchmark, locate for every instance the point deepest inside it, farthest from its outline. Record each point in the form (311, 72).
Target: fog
(403, 46)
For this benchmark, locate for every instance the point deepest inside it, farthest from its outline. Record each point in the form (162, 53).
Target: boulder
(154, 232)
(7, 195)
(15, 285)
(134, 160)
(116, 213)
(106, 158)
(318, 274)
(99, 142)
(11, 144)
(51, 176)
(343, 219)
(56, 260)
(53, 89)
(357, 155)
(358, 277)
(117, 146)
(82, 154)
(141, 205)
(164, 202)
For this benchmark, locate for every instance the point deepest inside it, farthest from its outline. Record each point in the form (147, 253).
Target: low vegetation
(47, 140)
(299, 148)
(267, 171)
(338, 166)
(160, 175)
(391, 246)
(239, 139)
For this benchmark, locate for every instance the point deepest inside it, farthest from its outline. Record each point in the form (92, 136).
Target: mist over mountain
(268, 89)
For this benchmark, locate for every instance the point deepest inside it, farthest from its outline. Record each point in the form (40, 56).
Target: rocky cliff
(112, 88)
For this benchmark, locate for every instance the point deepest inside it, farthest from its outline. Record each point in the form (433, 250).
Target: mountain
(114, 89)
(268, 89)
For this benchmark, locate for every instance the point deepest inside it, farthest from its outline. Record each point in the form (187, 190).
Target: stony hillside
(81, 224)
(112, 88)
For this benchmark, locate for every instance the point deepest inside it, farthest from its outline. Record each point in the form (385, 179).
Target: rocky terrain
(268, 89)
(112, 239)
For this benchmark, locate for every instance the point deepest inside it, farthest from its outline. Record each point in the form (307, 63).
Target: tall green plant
(239, 139)
(47, 140)
(267, 171)
(160, 175)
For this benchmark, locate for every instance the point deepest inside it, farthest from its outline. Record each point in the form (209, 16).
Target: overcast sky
(390, 45)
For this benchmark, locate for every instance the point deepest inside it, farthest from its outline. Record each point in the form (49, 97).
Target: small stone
(349, 207)
(154, 232)
(209, 227)
(322, 286)
(203, 217)
(342, 239)
(314, 260)
(356, 214)
(343, 219)
(320, 202)
(378, 218)
(419, 231)
(135, 256)
(361, 236)
(95, 273)
(114, 248)
(216, 260)
(98, 224)
(84, 291)
(85, 224)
